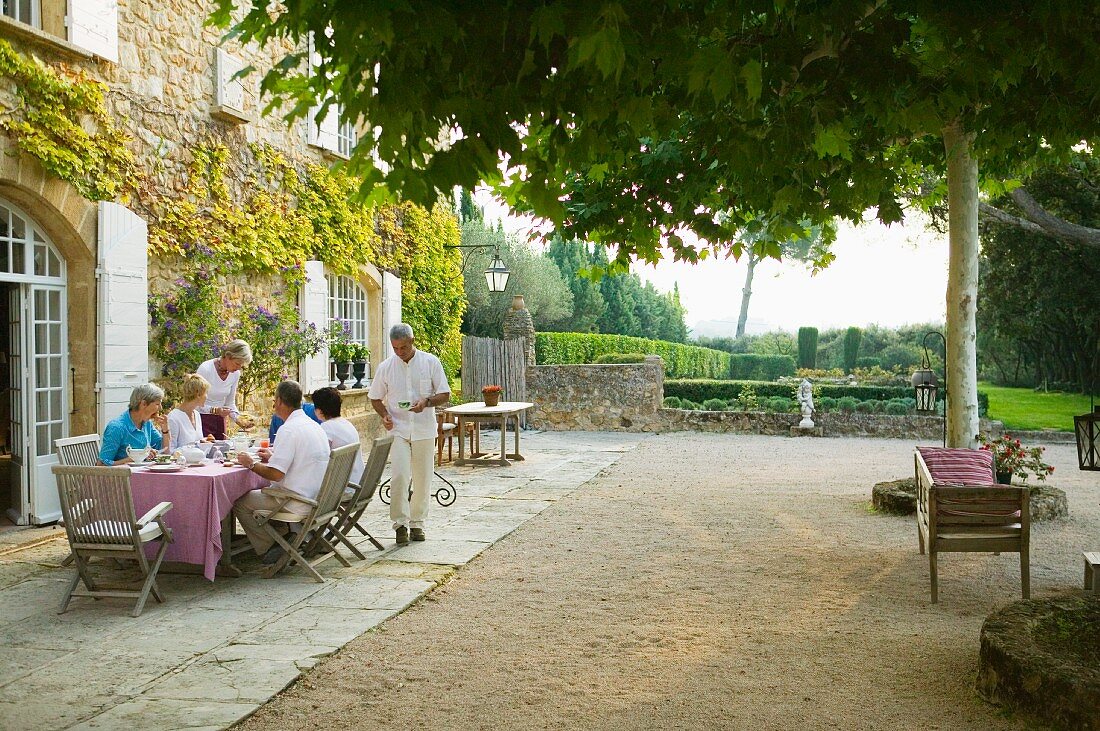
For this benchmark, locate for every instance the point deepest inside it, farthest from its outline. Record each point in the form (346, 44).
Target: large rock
(899, 497)
(1043, 656)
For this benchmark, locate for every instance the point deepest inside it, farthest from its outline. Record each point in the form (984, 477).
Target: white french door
(46, 396)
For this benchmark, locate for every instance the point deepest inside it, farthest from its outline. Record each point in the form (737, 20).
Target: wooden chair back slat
(97, 505)
(372, 471)
(82, 451)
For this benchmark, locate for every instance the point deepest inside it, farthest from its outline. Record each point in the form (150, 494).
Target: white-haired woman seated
(223, 374)
(141, 426)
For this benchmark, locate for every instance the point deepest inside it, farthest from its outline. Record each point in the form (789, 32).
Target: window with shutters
(331, 133)
(347, 302)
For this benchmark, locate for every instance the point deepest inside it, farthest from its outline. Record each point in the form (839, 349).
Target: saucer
(165, 468)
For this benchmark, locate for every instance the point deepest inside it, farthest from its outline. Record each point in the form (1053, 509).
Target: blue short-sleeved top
(276, 422)
(121, 433)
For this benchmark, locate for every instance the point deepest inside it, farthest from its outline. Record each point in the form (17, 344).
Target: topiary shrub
(866, 407)
(779, 405)
(847, 403)
(672, 402)
(895, 408)
(757, 367)
(620, 358)
(825, 403)
(714, 404)
(807, 347)
(851, 347)
(689, 405)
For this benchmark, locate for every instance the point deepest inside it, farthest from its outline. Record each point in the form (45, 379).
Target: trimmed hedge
(754, 367)
(681, 361)
(620, 358)
(700, 390)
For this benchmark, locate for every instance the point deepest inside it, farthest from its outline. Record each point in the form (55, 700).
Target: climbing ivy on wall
(59, 118)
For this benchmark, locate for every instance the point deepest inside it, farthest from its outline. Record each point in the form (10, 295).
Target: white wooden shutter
(314, 371)
(123, 306)
(230, 91)
(391, 307)
(325, 134)
(93, 25)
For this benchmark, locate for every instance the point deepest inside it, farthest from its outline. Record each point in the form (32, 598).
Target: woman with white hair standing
(223, 374)
(141, 426)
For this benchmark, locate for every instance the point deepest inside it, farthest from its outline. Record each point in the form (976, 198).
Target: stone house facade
(75, 274)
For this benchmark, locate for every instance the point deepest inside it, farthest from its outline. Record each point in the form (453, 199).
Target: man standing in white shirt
(297, 464)
(406, 389)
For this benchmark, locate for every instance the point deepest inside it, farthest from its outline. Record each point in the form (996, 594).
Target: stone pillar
(518, 324)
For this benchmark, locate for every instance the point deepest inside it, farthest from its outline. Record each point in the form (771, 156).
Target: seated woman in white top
(184, 424)
(339, 430)
(223, 374)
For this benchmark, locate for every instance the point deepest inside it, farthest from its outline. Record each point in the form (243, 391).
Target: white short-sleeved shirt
(398, 381)
(185, 429)
(221, 393)
(301, 454)
(342, 432)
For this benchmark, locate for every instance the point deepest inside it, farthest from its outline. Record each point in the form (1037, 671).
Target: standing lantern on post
(1087, 430)
(926, 384)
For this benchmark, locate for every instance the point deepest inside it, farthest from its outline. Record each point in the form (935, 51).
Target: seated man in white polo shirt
(297, 463)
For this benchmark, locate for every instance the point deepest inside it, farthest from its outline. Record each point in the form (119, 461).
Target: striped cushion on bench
(954, 467)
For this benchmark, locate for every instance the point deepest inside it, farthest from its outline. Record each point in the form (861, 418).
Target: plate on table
(165, 468)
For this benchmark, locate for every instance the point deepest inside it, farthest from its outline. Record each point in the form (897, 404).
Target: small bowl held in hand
(404, 404)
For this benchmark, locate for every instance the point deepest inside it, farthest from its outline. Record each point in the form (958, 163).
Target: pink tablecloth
(201, 497)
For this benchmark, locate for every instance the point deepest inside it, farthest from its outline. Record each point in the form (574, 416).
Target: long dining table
(201, 517)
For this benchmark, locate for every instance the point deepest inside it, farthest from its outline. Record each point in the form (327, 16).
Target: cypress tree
(851, 348)
(807, 347)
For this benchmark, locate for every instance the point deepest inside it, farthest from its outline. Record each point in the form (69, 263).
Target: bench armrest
(285, 494)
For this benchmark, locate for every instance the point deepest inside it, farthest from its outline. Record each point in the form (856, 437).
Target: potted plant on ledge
(360, 364)
(491, 395)
(340, 350)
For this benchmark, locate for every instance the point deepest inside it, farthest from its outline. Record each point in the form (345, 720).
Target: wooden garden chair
(351, 509)
(82, 451)
(310, 538)
(98, 509)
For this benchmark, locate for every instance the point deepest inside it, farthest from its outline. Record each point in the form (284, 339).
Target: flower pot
(343, 370)
(1004, 478)
(360, 369)
(492, 398)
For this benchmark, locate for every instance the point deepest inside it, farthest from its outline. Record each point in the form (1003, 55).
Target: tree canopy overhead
(631, 123)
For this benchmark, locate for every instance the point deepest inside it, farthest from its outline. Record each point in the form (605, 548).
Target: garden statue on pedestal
(806, 404)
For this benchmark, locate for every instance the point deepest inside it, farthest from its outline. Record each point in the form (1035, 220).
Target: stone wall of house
(628, 398)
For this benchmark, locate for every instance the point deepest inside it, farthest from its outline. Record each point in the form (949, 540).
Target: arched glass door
(32, 273)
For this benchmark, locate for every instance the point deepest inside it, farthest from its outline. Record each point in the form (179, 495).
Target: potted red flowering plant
(1012, 458)
(491, 394)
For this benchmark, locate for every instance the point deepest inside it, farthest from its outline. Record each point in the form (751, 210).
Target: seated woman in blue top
(142, 425)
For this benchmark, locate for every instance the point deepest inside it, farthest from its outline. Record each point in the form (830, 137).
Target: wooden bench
(1092, 572)
(971, 518)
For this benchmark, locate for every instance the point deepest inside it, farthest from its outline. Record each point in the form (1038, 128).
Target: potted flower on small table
(491, 395)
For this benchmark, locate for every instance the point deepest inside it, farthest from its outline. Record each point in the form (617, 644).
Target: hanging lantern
(496, 276)
(1087, 429)
(925, 389)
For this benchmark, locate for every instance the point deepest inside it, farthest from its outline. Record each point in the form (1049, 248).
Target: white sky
(885, 275)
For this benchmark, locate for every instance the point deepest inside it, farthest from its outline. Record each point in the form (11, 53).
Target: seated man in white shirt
(327, 402)
(297, 463)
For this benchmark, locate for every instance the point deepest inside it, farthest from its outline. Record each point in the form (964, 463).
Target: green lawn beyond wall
(1023, 408)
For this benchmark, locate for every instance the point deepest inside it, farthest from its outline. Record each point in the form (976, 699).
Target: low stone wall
(623, 397)
(356, 408)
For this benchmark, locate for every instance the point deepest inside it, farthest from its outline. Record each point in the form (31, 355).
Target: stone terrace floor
(214, 652)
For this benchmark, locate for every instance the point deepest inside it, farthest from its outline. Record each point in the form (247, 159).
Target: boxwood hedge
(681, 361)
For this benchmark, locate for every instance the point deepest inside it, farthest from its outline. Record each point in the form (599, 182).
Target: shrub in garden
(868, 361)
(714, 404)
(748, 400)
(672, 402)
(779, 405)
(756, 367)
(701, 389)
(847, 403)
(825, 403)
(902, 356)
(895, 408)
(851, 347)
(681, 361)
(689, 405)
(807, 347)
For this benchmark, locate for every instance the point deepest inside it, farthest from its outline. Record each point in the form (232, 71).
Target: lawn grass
(1024, 408)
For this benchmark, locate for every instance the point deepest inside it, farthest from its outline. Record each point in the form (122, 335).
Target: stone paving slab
(215, 651)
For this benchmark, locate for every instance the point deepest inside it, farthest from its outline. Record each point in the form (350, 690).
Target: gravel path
(704, 581)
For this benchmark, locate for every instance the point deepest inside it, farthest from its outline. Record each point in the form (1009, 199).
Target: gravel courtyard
(702, 581)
